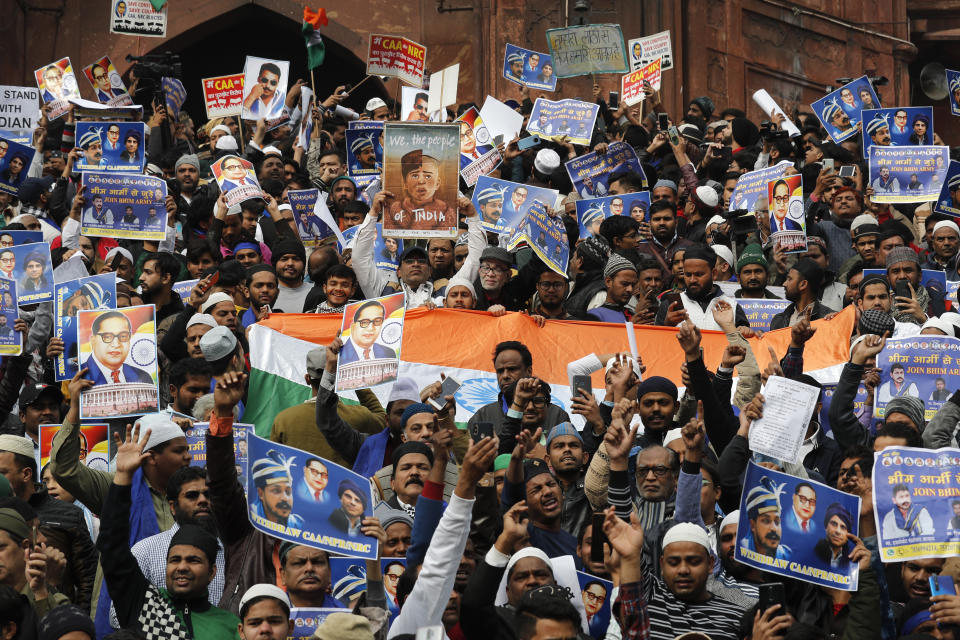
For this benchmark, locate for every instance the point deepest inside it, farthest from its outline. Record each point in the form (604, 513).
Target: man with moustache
(763, 511)
(753, 275)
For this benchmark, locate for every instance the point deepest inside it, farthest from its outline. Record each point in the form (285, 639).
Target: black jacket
(782, 319)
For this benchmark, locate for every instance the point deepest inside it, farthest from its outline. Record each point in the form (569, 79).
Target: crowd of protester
(482, 523)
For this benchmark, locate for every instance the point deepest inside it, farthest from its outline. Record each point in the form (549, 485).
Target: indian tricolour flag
(461, 344)
(316, 49)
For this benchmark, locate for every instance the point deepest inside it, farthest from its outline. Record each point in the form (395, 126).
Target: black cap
(31, 392)
(411, 250)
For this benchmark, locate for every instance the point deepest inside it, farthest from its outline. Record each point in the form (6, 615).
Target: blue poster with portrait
(118, 205)
(502, 204)
(348, 580)
(916, 503)
(312, 229)
(183, 287)
(93, 292)
(750, 191)
(596, 596)
(298, 497)
(530, 68)
(953, 86)
(590, 173)
(570, 119)
(174, 95)
(907, 174)
(111, 146)
(11, 341)
(15, 237)
(591, 213)
(386, 251)
(31, 267)
(897, 127)
(797, 528)
(364, 151)
(925, 367)
(546, 235)
(948, 202)
(197, 442)
(760, 312)
(15, 159)
(839, 110)
(307, 619)
(859, 407)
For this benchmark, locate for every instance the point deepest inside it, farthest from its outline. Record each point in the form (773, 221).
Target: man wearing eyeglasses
(313, 489)
(781, 200)
(264, 100)
(364, 331)
(110, 344)
(799, 520)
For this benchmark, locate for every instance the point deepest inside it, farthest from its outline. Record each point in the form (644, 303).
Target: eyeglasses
(592, 597)
(805, 501)
(319, 474)
(366, 322)
(193, 495)
(393, 577)
(485, 268)
(552, 285)
(849, 472)
(108, 338)
(781, 199)
(99, 77)
(659, 471)
(265, 80)
(539, 402)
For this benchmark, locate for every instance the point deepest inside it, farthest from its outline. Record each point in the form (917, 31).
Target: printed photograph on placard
(15, 237)
(15, 159)
(948, 201)
(907, 174)
(264, 87)
(590, 173)
(94, 444)
(502, 204)
(11, 340)
(127, 206)
(372, 332)
(236, 178)
(788, 225)
(118, 349)
(84, 294)
(898, 127)
(573, 119)
(111, 146)
(840, 111)
(364, 151)
(58, 85)
(106, 82)
(478, 153)
(413, 106)
(529, 68)
(312, 229)
(31, 267)
(953, 85)
(591, 213)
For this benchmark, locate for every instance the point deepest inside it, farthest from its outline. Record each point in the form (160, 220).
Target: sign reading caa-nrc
(223, 95)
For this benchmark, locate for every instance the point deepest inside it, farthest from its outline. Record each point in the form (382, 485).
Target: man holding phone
(914, 302)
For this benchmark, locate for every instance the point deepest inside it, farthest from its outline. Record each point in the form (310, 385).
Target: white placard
(787, 407)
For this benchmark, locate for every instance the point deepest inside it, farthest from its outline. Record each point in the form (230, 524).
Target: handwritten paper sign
(584, 49)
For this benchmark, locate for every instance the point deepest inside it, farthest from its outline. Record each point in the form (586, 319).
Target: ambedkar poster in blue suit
(372, 331)
(298, 497)
(118, 350)
(797, 528)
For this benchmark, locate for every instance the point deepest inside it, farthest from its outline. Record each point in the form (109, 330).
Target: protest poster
(138, 18)
(19, 111)
(305, 131)
(587, 49)
(183, 288)
(421, 167)
(11, 238)
(631, 85)
(898, 127)
(478, 153)
(11, 341)
(802, 543)
(788, 225)
(502, 204)
(118, 348)
(15, 159)
(529, 68)
(88, 110)
(859, 402)
(58, 85)
(907, 174)
(645, 50)
(839, 111)
(953, 85)
(397, 57)
(591, 213)
(573, 119)
(31, 267)
(236, 179)
(545, 234)
(106, 82)
(264, 87)
(916, 503)
(925, 367)
(83, 294)
(366, 125)
(111, 146)
(443, 87)
(126, 206)
(282, 500)
(307, 619)
(197, 442)
(364, 151)
(787, 403)
(386, 251)
(750, 194)
(174, 95)
(95, 445)
(760, 311)
(948, 202)
(223, 95)
(371, 331)
(414, 106)
(501, 120)
(590, 173)
(595, 593)
(312, 229)
(348, 580)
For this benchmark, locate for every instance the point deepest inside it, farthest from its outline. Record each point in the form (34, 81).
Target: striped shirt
(670, 617)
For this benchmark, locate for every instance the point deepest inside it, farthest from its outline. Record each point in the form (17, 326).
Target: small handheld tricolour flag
(158, 4)
(316, 50)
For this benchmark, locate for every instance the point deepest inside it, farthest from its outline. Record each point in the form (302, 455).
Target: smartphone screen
(598, 538)
(580, 382)
(664, 120)
(614, 100)
(449, 387)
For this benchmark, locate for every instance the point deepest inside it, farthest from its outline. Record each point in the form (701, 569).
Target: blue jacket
(349, 352)
(131, 374)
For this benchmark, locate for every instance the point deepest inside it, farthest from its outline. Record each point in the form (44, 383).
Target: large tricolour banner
(434, 342)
